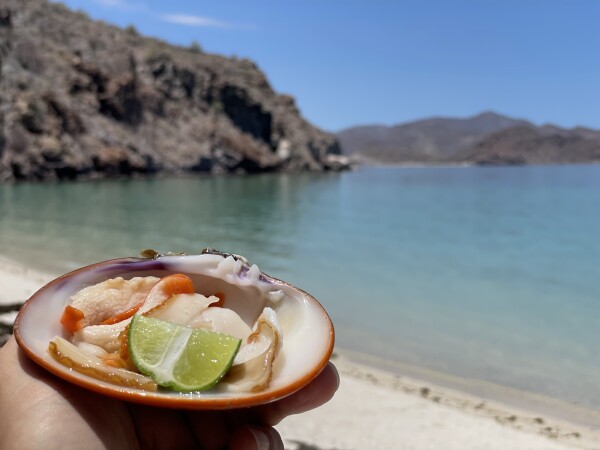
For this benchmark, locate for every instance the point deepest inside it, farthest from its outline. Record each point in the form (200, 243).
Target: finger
(161, 428)
(256, 438)
(316, 393)
(213, 430)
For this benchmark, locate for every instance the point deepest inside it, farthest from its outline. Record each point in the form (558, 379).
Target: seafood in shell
(282, 327)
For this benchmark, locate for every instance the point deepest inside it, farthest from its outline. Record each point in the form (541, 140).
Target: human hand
(39, 410)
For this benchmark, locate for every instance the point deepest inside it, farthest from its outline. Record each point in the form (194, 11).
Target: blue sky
(352, 62)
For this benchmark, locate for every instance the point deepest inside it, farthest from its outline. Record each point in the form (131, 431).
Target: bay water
(484, 273)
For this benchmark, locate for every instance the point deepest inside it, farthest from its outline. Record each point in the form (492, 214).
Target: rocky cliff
(80, 98)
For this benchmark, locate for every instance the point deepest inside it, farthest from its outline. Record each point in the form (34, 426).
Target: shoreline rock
(81, 99)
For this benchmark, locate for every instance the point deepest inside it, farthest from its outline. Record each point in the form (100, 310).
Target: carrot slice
(112, 361)
(124, 344)
(71, 319)
(221, 301)
(116, 360)
(121, 316)
(166, 288)
(177, 283)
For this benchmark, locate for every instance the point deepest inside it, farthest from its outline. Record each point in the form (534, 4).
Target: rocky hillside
(486, 139)
(80, 98)
(536, 145)
(430, 140)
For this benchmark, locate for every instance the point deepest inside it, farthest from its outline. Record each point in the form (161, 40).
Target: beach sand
(376, 409)
(382, 409)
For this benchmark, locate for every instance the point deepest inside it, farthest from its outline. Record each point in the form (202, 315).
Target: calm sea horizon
(479, 272)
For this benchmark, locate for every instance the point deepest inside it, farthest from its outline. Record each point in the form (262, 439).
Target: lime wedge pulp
(178, 357)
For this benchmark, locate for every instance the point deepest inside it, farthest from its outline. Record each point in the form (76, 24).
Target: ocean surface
(485, 273)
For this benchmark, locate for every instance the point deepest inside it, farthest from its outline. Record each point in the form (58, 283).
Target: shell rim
(158, 399)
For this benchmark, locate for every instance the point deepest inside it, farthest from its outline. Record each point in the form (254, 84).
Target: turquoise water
(485, 273)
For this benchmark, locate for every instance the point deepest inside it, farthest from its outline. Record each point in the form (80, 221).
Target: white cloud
(194, 21)
(120, 4)
(110, 2)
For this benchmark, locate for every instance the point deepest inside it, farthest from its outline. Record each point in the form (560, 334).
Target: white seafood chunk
(105, 336)
(222, 320)
(164, 289)
(182, 309)
(253, 366)
(111, 297)
(193, 310)
(179, 309)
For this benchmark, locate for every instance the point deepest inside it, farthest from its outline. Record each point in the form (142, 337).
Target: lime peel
(178, 357)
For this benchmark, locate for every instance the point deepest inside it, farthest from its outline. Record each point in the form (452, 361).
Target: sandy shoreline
(380, 410)
(486, 391)
(377, 408)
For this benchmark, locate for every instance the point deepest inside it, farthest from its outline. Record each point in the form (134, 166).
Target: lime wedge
(178, 357)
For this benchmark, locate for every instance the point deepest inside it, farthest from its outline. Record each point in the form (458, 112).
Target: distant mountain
(83, 99)
(487, 138)
(430, 140)
(536, 145)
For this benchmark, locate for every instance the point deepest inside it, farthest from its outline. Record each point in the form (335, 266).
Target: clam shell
(308, 334)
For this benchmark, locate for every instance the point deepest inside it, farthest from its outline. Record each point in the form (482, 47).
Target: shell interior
(307, 330)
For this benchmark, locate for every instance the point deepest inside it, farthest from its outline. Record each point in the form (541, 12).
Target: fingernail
(261, 438)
